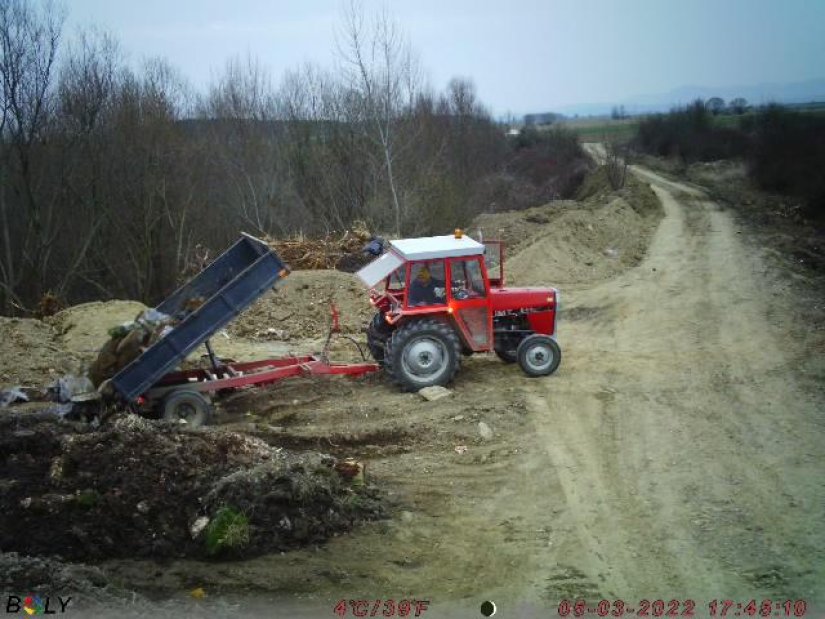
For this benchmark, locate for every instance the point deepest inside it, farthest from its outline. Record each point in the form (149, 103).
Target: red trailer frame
(251, 374)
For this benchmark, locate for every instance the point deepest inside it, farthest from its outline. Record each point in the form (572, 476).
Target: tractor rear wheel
(186, 406)
(539, 355)
(422, 353)
(377, 333)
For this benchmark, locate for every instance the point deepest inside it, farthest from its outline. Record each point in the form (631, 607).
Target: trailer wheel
(422, 353)
(187, 406)
(539, 355)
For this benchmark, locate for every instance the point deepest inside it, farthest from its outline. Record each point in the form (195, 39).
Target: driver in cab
(424, 290)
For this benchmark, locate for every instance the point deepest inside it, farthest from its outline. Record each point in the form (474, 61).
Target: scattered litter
(10, 396)
(485, 431)
(68, 387)
(198, 526)
(431, 394)
(351, 470)
(460, 449)
(198, 593)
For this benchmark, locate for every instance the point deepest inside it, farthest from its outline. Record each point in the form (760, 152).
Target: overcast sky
(523, 55)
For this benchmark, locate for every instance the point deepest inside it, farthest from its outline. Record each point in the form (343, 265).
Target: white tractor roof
(423, 248)
(430, 247)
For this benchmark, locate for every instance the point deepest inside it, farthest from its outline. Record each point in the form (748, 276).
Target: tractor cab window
(493, 251)
(396, 282)
(466, 279)
(427, 283)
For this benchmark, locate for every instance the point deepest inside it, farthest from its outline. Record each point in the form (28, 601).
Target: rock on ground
(431, 394)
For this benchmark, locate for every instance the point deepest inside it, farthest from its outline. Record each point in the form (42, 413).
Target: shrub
(228, 532)
(689, 133)
(788, 155)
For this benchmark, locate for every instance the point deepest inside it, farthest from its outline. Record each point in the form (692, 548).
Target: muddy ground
(676, 454)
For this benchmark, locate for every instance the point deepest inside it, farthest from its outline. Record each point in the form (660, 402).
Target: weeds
(228, 532)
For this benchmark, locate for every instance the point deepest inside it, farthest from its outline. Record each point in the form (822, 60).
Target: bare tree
(383, 75)
(29, 38)
(616, 160)
(242, 108)
(86, 89)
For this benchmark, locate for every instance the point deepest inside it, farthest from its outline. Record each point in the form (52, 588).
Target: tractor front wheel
(422, 353)
(539, 355)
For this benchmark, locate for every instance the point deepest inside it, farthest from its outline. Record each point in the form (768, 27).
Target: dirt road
(686, 430)
(677, 454)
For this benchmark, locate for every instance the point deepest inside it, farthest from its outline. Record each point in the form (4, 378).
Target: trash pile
(127, 341)
(345, 252)
(64, 394)
(140, 488)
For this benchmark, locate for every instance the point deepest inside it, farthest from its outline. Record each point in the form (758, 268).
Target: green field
(599, 129)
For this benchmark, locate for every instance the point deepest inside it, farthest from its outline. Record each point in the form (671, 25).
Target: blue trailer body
(229, 285)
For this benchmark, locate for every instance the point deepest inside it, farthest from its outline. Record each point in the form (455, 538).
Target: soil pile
(583, 246)
(577, 242)
(300, 307)
(83, 329)
(518, 229)
(31, 354)
(140, 488)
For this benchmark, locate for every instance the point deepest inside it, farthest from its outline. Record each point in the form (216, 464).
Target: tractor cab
(443, 296)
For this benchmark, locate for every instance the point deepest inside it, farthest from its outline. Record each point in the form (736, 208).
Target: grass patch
(227, 533)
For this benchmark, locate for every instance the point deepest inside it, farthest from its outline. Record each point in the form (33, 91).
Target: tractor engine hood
(507, 299)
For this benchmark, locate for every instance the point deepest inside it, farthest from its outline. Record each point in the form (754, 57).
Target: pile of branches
(342, 251)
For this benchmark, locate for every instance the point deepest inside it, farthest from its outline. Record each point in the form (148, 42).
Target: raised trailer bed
(206, 304)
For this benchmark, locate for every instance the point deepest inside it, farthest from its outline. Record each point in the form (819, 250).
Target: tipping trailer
(226, 287)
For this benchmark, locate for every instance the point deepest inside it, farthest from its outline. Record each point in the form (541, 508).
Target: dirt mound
(299, 308)
(137, 487)
(597, 183)
(577, 242)
(82, 329)
(518, 228)
(30, 354)
(583, 246)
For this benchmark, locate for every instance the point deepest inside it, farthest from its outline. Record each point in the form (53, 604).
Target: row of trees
(716, 106)
(784, 149)
(111, 177)
(689, 133)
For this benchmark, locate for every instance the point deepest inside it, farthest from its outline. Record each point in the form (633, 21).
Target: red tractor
(443, 296)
